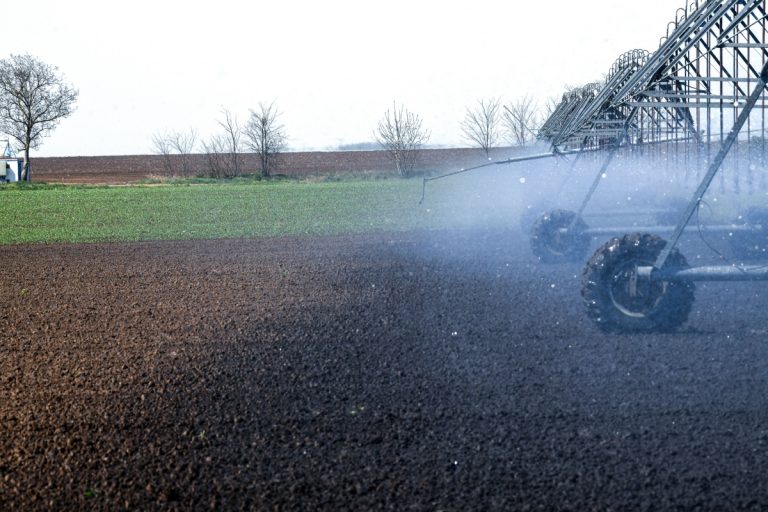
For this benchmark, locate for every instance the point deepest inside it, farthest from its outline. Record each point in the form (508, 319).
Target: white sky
(332, 66)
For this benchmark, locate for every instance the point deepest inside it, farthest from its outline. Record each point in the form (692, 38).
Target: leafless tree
(401, 134)
(550, 105)
(184, 144)
(161, 145)
(223, 151)
(33, 99)
(520, 121)
(265, 136)
(233, 146)
(481, 124)
(181, 143)
(215, 150)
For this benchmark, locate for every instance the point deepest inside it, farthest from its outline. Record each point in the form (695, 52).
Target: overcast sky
(333, 67)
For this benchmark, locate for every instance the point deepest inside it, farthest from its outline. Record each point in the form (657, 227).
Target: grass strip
(48, 214)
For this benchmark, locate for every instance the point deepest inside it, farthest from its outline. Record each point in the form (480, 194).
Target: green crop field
(177, 211)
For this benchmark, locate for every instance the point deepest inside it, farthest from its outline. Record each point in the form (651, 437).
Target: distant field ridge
(133, 168)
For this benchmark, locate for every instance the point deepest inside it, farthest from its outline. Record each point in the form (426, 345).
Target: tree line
(262, 134)
(400, 132)
(487, 124)
(34, 98)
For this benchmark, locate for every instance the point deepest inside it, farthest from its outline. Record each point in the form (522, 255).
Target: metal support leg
(595, 183)
(603, 168)
(568, 176)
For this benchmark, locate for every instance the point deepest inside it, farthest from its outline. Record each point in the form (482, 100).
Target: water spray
(540, 156)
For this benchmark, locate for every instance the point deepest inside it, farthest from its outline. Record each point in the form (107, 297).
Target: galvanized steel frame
(687, 94)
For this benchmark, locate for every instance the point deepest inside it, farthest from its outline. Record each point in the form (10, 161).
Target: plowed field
(427, 371)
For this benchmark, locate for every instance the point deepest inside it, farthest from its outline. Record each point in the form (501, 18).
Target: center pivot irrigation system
(695, 104)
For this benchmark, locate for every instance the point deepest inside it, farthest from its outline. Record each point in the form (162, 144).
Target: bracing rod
(527, 158)
(705, 273)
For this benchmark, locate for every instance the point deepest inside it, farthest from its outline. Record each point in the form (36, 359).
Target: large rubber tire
(751, 246)
(658, 307)
(530, 214)
(552, 246)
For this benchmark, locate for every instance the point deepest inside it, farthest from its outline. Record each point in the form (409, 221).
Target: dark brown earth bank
(426, 371)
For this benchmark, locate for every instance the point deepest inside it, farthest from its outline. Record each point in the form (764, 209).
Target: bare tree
(161, 145)
(265, 136)
(401, 134)
(184, 143)
(233, 145)
(223, 151)
(520, 121)
(481, 124)
(33, 99)
(550, 105)
(215, 154)
(175, 143)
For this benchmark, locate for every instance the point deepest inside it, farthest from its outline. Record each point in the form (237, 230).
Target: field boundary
(135, 168)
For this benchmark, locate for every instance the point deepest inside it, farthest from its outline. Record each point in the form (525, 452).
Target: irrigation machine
(696, 106)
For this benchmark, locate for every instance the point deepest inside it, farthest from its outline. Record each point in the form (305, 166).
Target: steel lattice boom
(690, 90)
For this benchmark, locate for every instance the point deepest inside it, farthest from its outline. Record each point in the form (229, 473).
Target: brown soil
(428, 371)
(117, 169)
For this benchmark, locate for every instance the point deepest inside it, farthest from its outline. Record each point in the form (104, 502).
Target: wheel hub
(632, 296)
